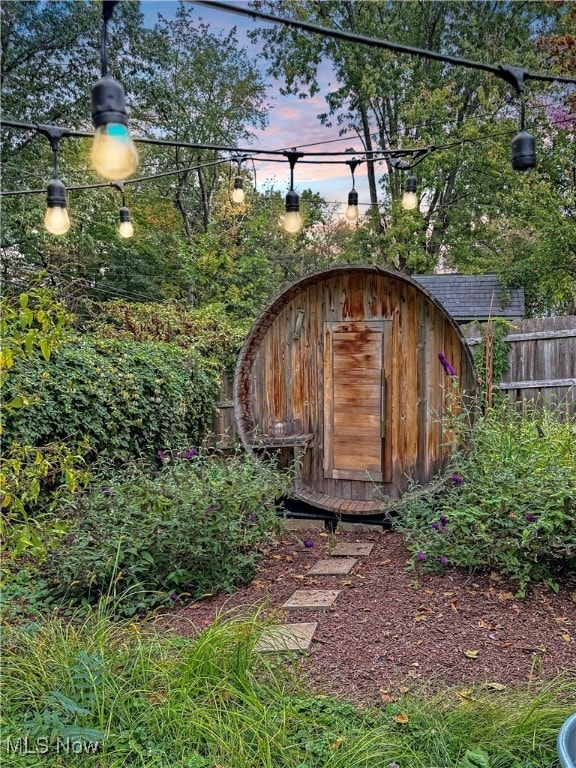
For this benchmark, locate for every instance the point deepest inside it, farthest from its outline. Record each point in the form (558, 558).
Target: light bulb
(409, 201)
(238, 191)
(292, 222)
(114, 154)
(352, 209)
(410, 198)
(56, 220)
(125, 228)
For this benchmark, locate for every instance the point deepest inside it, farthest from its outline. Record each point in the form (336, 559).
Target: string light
(410, 198)
(292, 222)
(238, 191)
(352, 208)
(125, 228)
(56, 219)
(114, 154)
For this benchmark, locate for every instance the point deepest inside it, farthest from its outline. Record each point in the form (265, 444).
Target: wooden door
(354, 400)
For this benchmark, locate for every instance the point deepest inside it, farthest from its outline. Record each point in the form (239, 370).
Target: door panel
(353, 400)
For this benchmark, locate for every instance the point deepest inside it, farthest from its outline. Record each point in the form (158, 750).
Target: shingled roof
(474, 297)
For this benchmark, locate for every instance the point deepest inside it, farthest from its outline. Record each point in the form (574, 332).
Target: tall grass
(142, 697)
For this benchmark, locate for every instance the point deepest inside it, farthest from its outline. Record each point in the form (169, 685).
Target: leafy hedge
(128, 398)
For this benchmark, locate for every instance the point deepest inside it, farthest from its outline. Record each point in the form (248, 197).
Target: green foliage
(148, 698)
(34, 482)
(192, 528)
(509, 504)
(128, 398)
(31, 321)
(498, 328)
(207, 332)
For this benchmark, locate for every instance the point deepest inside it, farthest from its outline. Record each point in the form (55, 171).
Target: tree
(390, 101)
(182, 82)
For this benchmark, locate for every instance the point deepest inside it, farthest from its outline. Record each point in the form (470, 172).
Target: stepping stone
(338, 566)
(349, 549)
(312, 598)
(287, 637)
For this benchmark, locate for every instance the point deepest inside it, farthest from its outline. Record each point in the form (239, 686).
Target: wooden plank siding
(541, 361)
(362, 326)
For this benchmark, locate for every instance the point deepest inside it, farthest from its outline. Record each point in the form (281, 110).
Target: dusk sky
(292, 121)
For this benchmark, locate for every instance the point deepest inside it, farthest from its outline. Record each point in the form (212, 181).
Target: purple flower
(189, 454)
(447, 365)
(421, 556)
(443, 560)
(163, 455)
(308, 543)
(456, 479)
(251, 517)
(174, 596)
(530, 517)
(443, 520)
(106, 490)
(436, 525)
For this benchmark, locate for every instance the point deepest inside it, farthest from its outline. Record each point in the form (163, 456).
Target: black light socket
(108, 103)
(292, 202)
(56, 194)
(523, 151)
(124, 214)
(353, 197)
(410, 184)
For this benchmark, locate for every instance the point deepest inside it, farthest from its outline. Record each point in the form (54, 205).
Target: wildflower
(174, 596)
(421, 556)
(308, 543)
(106, 490)
(530, 517)
(251, 517)
(443, 560)
(189, 454)
(456, 479)
(443, 521)
(436, 525)
(447, 365)
(393, 765)
(163, 455)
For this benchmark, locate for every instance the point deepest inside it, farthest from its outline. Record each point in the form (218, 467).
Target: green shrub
(206, 331)
(190, 529)
(510, 503)
(127, 398)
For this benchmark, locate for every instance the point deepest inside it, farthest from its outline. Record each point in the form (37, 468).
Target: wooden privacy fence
(541, 360)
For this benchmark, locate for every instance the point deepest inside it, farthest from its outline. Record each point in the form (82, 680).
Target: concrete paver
(311, 598)
(335, 566)
(350, 549)
(287, 637)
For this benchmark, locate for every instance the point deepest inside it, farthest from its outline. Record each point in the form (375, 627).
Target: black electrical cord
(503, 71)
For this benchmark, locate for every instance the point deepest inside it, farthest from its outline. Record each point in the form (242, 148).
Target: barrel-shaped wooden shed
(341, 372)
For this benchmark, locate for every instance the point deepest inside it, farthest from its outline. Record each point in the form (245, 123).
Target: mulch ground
(392, 630)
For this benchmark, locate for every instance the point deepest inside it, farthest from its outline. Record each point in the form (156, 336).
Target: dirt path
(391, 630)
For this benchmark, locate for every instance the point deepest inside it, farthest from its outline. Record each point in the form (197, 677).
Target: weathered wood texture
(541, 361)
(363, 378)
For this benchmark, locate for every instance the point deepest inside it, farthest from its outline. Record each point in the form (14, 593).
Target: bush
(510, 503)
(190, 529)
(207, 332)
(127, 398)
